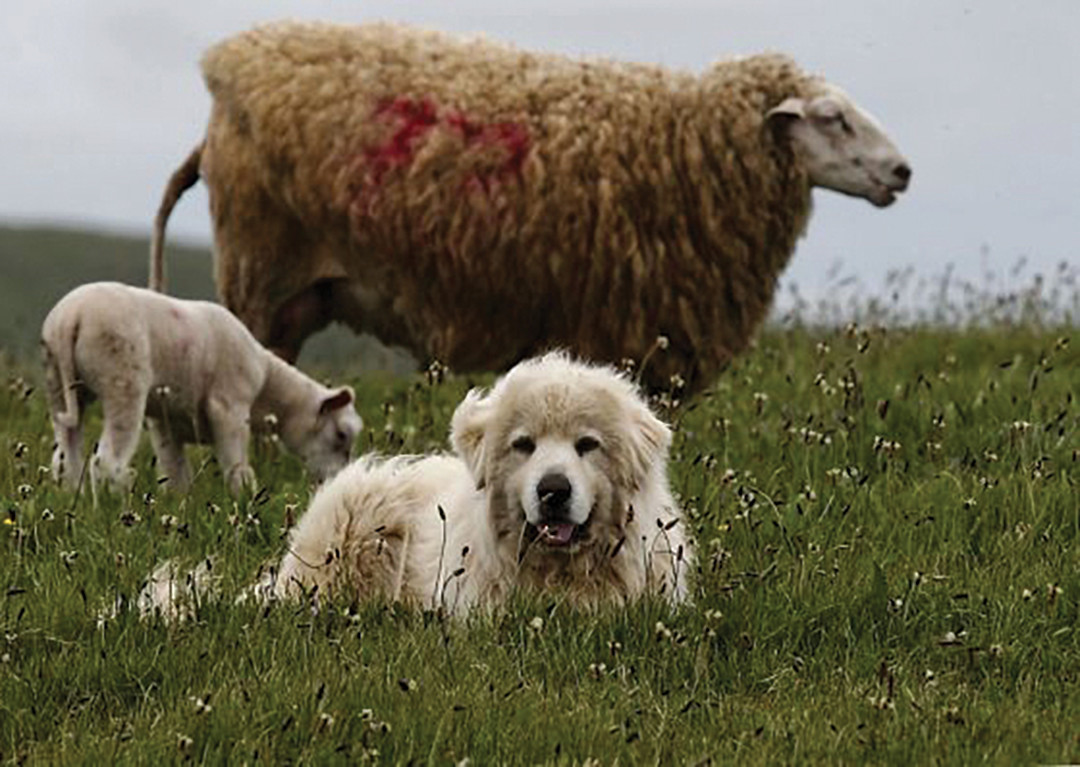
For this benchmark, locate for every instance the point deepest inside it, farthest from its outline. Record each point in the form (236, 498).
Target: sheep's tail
(182, 179)
(60, 374)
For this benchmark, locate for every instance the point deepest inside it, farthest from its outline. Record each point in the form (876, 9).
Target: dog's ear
(467, 429)
(648, 439)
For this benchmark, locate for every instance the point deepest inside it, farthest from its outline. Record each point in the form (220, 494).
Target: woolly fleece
(493, 203)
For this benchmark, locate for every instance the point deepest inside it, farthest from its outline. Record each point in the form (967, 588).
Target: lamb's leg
(231, 434)
(67, 455)
(170, 454)
(119, 439)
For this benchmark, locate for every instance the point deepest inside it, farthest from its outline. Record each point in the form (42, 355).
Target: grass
(889, 535)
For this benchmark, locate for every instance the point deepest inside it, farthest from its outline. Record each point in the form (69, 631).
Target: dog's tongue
(558, 534)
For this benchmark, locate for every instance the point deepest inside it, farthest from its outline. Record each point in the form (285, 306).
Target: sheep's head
(842, 147)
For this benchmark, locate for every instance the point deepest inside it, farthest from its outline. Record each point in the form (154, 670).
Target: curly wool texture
(500, 202)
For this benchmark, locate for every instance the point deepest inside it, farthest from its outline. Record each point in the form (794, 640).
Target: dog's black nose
(553, 490)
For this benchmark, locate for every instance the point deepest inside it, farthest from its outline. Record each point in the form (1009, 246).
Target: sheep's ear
(467, 430)
(339, 399)
(786, 112)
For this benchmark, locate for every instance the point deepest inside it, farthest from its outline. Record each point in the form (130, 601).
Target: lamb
(476, 203)
(195, 372)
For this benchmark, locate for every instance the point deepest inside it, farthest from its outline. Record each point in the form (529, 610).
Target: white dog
(194, 371)
(559, 484)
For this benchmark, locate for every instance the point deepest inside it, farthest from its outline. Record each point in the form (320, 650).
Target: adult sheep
(476, 203)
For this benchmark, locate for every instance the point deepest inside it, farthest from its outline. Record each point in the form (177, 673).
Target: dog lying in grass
(558, 483)
(196, 374)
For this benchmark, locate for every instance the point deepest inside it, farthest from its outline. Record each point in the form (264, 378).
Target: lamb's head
(323, 432)
(842, 147)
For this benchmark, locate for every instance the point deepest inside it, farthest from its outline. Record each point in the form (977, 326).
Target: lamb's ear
(467, 429)
(786, 112)
(339, 399)
(648, 440)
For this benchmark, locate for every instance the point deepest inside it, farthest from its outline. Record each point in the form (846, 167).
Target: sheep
(477, 204)
(196, 374)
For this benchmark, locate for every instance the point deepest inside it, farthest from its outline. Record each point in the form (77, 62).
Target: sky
(101, 99)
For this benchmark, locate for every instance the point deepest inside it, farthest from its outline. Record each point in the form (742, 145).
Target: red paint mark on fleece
(512, 137)
(413, 119)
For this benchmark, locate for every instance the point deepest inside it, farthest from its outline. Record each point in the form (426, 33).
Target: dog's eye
(524, 445)
(586, 445)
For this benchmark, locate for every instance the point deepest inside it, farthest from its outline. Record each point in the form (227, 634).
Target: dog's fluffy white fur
(558, 484)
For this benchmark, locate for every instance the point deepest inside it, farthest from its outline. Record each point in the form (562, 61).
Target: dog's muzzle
(554, 491)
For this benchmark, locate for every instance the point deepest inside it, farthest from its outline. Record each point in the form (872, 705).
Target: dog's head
(561, 447)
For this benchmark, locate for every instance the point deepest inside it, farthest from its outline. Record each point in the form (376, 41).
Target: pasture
(888, 523)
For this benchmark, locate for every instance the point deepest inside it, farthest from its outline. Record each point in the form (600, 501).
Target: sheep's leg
(231, 431)
(119, 439)
(368, 311)
(256, 255)
(67, 426)
(67, 455)
(333, 300)
(170, 454)
(304, 314)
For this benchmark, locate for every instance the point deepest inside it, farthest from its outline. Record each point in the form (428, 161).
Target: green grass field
(888, 525)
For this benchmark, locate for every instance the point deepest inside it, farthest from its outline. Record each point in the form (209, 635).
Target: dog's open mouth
(557, 533)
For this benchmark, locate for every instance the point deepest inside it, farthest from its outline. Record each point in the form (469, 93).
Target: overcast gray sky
(101, 99)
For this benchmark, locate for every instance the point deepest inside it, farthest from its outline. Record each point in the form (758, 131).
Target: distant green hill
(39, 264)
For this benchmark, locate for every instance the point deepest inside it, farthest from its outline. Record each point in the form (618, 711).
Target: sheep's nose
(553, 490)
(903, 173)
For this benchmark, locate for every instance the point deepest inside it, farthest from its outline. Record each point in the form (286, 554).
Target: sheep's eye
(524, 445)
(838, 118)
(586, 445)
(832, 114)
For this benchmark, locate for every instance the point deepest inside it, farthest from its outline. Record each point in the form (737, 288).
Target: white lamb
(197, 375)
